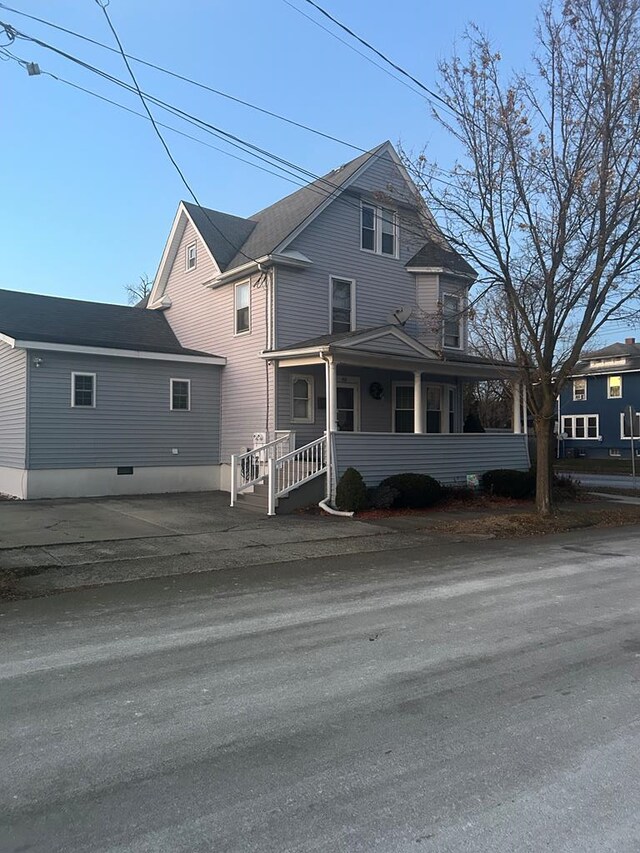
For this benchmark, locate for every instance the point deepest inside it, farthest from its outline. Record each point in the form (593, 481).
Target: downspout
(324, 504)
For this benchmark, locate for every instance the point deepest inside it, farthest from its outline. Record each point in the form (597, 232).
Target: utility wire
(231, 139)
(193, 82)
(103, 5)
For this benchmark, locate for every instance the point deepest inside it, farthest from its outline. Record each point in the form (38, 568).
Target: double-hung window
(83, 390)
(403, 408)
(242, 300)
(191, 259)
(180, 395)
(451, 321)
(614, 387)
(580, 389)
(581, 426)
(626, 425)
(379, 230)
(302, 411)
(342, 305)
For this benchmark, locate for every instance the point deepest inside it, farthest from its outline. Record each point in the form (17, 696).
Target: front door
(348, 406)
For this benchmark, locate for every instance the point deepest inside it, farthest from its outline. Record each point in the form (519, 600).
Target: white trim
(236, 333)
(311, 416)
(402, 384)
(609, 378)
(352, 382)
(624, 437)
(170, 253)
(443, 271)
(352, 298)
(94, 389)
(377, 229)
(187, 248)
(585, 437)
(122, 353)
(8, 340)
(573, 389)
(461, 312)
(171, 406)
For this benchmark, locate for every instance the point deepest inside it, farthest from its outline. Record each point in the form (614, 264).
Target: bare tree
(547, 199)
(139, 291)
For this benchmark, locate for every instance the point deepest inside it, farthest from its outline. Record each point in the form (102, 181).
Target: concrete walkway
(59, 544)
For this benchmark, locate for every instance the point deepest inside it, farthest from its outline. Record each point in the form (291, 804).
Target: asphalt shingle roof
(434, 254)
(50, 319)
(261, 233)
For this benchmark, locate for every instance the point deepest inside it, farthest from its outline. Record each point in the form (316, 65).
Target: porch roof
(392, 348)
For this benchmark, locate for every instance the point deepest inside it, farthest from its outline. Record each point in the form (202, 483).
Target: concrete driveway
(59, 544)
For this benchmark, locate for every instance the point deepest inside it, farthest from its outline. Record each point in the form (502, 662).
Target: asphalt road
(482, 698)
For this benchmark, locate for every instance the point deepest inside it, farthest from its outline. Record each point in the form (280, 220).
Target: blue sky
(88, 194)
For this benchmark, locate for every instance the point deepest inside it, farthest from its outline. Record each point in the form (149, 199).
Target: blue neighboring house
(593, 403)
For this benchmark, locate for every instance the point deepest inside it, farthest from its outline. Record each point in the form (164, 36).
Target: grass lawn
(596, 466)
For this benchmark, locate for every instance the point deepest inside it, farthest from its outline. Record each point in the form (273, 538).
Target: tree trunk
(544, 465)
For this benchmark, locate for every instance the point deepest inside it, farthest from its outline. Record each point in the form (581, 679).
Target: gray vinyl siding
(427, 310)
(332, 243)
(456, 288)
(203, 318)
(13, 406)
(375, 415)
(448, 458)
(131, 424)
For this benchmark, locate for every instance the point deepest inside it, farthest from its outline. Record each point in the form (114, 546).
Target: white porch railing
(250, 468)
(293, 469)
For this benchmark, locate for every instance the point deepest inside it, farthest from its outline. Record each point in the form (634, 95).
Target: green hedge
(351, 492)
(506, 483)
(414, 491)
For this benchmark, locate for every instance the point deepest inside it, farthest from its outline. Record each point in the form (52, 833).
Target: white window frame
(615, 452)
(246, 331)
(394, 408)
(171, 406)
(611, 396)
(187, 256)
(461, 312)
(628, 437)
(576, 398)
(352, 382)
(311, 415)
(75, 373)
(585, 418)
(377, 230)
(352, 282)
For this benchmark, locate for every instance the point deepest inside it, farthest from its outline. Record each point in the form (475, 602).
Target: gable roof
(221, 232)
(389, 339)
(627, 356)
(51, 319)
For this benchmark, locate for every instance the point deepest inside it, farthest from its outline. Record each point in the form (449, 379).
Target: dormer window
(451, 321)
(192, 257)
(379, 230)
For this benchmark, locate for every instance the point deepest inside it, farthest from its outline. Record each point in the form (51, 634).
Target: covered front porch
(390, 404)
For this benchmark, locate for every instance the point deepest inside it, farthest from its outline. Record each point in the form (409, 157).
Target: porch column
(525, 428)
(517, 424)
(332, 397)
(418, 403)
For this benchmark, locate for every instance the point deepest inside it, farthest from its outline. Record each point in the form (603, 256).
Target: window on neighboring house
(242, 303)
(180, 395)
(403, 409)
(614, 387)
(581, 426)
(379, 230)
(452, 409)
(434, 403)
(83, 390)
(614, 451)
(579, 389)
(451, 321)
(192, 257)
(302, 411)
(625, 425)
(342, 305)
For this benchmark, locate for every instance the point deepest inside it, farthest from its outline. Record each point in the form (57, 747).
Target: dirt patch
(520, 524)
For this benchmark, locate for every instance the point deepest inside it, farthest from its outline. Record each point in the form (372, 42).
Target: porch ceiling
(471, 370)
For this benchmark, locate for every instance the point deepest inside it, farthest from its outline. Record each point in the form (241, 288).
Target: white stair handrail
(291, 470)
(250, 468)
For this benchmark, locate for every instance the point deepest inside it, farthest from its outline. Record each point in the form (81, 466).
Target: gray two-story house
(338, 320)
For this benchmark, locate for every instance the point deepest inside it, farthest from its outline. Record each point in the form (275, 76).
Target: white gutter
(265, 261)
(121, 353)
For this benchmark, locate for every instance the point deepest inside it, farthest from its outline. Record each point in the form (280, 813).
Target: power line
(280, 163)
(191, 81)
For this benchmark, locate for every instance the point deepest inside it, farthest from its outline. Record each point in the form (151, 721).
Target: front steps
(308, 494)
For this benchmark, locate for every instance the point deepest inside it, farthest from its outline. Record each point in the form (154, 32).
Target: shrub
(565, 488)
(415, 491)
(381, 497)
(506, 483)
(351, 492)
